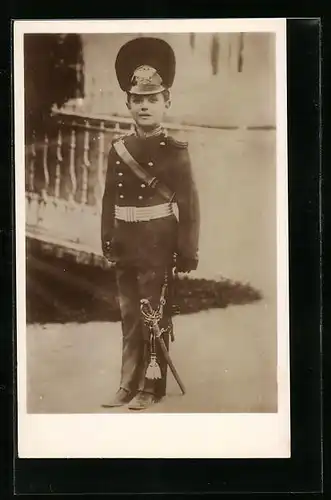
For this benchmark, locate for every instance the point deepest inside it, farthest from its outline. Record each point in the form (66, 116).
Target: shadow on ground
(62, 291)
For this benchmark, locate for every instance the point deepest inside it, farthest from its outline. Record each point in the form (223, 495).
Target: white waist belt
(140, 214)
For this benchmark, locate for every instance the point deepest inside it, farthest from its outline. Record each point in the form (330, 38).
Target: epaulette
(122, 137)
(115, 139)
(177, 143)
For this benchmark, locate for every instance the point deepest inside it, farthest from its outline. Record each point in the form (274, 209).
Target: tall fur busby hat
(145, 66)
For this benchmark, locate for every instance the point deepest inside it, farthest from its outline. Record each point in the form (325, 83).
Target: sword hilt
(150, 316)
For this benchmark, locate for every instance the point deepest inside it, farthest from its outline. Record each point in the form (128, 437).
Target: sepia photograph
(151, 212)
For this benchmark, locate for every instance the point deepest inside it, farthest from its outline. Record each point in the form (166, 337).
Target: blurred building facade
(222, 79)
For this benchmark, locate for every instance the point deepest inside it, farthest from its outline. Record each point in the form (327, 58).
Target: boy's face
(148, 110)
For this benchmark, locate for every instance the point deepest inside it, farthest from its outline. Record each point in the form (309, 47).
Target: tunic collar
(154, 133)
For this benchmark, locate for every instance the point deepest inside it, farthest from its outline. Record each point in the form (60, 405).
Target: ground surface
(226, 359)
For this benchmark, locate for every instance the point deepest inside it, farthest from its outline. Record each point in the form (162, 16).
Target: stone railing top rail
(113, 119)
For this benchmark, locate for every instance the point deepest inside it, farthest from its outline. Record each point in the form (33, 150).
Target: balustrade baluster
(117, 130)
(32, 197)
(58, 168)
(100, 173)
(42, 208)
(86, 163)
(84, 228)
(32, 164)
(44, 191)
(68, 209)
(53, 219)
(72, 170)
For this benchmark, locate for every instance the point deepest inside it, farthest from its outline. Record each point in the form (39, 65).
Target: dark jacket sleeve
(189, 212)
(108, 203)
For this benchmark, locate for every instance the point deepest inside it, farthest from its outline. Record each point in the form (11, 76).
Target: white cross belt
(141, 214)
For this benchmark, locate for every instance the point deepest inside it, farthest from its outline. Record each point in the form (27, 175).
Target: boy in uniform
(150, 217)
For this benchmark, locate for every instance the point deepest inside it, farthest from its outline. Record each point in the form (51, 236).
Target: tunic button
(140, 197)
(121, 196)
(120, 174)
(120, 185)
(143, 185)
(118, 162)
(150, 163)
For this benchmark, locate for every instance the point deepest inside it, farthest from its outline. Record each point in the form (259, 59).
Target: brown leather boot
(122, 397)
(142, 400)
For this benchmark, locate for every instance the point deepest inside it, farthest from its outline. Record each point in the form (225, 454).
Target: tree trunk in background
(54, 74)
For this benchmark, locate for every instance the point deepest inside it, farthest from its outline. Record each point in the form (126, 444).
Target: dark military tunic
(144, 251)
(152, 242)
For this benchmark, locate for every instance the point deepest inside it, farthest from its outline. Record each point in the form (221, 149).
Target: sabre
(151, 318)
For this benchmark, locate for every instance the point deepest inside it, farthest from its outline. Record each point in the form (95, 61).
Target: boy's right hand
(107, 250)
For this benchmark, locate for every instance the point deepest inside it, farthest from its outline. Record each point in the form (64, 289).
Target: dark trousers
(134, 284)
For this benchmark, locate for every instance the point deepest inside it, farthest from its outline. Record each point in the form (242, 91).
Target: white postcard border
(183, 435)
